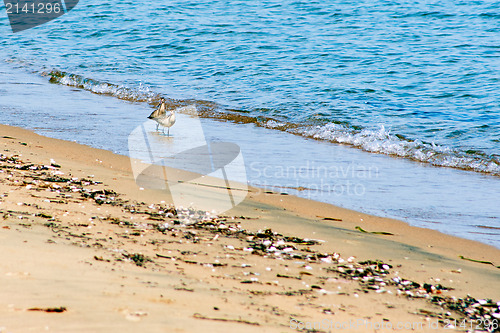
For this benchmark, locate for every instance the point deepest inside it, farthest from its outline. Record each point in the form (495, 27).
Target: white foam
(141, 94)
(382, 141)
(274, 124)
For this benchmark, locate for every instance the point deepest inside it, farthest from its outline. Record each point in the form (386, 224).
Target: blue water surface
(426, 70)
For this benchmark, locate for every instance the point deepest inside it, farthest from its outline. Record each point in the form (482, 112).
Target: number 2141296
(39, 8)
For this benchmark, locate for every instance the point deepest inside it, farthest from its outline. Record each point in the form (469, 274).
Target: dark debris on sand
(199, 226)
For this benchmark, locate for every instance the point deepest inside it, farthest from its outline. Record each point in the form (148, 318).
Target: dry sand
(84, 249)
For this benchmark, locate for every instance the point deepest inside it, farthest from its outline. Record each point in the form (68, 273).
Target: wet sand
(84, 249)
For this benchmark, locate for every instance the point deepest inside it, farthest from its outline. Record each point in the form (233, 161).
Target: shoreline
(424, 255)
(350, 217)
(444, 199)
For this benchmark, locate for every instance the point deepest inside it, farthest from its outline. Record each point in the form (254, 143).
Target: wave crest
(140, 94)
(382, 141)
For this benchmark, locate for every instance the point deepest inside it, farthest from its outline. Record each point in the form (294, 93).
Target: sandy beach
(85, 249)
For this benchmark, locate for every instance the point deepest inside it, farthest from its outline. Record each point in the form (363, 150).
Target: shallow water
(453, 201)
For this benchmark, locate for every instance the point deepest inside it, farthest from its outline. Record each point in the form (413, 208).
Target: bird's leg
(168, 131)
(157, 127)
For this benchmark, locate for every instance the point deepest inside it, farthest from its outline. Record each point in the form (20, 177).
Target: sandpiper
(162, 118)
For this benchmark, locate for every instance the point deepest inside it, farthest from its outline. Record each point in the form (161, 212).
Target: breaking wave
(140, 94)
(382, 141)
